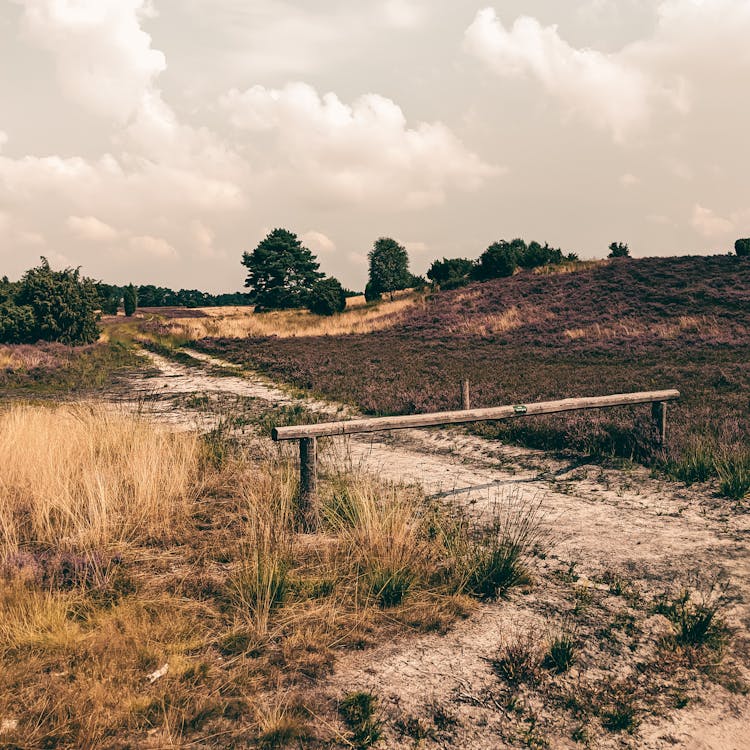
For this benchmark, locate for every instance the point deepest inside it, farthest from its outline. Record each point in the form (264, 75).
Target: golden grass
(83, 478)
(703, 324)
(508, 320)
(8, 360)
(243, 323)
(570, 267)
(222, 598)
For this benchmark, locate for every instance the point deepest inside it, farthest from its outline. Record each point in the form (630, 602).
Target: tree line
(49, 305)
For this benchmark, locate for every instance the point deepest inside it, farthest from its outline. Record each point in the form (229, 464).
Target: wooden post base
(307, 510)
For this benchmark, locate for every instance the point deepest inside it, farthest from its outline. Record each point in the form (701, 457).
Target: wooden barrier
(308, 434)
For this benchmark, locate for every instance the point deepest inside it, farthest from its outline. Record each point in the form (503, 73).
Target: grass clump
(519, 660)
(698, 625)
(733, 468)
(561, 653)
(495, 559)
(359, 712)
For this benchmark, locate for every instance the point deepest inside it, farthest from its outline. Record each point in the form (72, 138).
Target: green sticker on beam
(520, 409)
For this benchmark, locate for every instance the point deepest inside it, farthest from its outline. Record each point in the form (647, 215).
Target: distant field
(242, 322)
(624, 326)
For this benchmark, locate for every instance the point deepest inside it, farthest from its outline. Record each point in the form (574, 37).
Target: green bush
(50, 305)
(499, 260)
(130, 300)
(742, 247)
(450, 273)
(327, 297)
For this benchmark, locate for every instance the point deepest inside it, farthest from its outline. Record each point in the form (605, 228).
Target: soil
(602, 524)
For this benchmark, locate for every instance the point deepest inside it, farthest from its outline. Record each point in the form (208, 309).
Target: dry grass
(704, 325)
(127, 553)
(81, 478)
(243, 323)
(508, 320)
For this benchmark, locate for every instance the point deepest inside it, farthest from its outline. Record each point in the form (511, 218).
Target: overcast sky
(155, 140)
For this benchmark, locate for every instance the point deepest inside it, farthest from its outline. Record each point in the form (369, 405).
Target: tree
(742, 248)
(51, 305)
(497, 261)
(130, 300)
(618, 250)
(450, 273)
(281, 271)
(389, 267)
(327, 297)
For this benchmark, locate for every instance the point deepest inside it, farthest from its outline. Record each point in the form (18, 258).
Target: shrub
(536, 255)
(449, 273)
(618, 250)
(372, 292)
(327, 297)
(16, 323)
(50, 305)
(498, 260)
(742, 247)
(130, 300)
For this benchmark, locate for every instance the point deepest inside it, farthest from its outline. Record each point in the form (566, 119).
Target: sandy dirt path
(650, 531)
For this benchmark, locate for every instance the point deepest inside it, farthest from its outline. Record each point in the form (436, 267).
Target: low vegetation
(615, 327)
(155, 591)
(242, 324)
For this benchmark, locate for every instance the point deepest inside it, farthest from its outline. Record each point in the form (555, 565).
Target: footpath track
(651, 531)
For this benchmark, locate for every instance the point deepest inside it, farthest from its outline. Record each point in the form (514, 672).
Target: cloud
(339, 153)
(601, 88)
(629, 180)
(318, 242)
(693, 41)
(91, 228)
(152, 247)
(3, 139)
(710, 224)
(104, 58)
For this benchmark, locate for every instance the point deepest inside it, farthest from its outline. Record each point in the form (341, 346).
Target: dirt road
(604, 524)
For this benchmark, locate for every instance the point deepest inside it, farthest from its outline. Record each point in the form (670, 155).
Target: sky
(155, 141)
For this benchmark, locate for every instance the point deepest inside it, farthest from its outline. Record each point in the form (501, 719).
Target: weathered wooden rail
(308, 434)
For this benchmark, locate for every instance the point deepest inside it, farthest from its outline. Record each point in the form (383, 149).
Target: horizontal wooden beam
(381, 424)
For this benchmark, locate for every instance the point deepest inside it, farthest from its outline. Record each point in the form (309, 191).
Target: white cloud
(318, 242)
(334, 152)
(629, 180)
(708, 223)
(692, 42)
(3, 139)
(599, 87)
(104, 58)
(91, 228)
(152, 247)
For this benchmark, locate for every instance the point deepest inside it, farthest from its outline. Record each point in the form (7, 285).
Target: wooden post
(465, 395)
(659, 413)
(308, 484)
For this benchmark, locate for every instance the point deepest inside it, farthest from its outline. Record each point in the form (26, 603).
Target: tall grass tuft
(82, 478)
(733, 468)
(260, 585)
(494, 559)
(383, 529)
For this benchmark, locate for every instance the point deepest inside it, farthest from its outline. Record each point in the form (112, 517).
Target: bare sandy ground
(648, 531)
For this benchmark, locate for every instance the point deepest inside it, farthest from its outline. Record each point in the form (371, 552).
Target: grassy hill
(623, 326)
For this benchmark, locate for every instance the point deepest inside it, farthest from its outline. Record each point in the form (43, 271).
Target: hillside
(624, 326)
